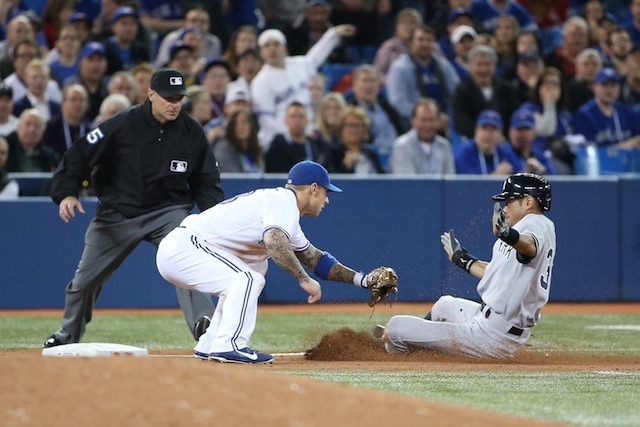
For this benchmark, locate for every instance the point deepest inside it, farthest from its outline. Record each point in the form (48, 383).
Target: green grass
(583, 398)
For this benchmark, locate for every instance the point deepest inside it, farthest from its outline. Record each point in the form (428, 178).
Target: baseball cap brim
(171, 93)
(331, 187)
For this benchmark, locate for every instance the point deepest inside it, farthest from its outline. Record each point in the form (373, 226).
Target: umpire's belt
(513, 331)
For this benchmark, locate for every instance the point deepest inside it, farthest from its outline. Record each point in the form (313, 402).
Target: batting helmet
(522, 184)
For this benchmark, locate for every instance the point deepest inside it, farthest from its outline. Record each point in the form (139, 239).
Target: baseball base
(94, 349)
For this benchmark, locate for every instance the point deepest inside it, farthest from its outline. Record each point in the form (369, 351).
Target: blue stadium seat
(610, 161)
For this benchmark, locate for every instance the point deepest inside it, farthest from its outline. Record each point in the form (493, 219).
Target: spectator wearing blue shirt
(603, 120)
(421, 73)
(485, 154)
(68, 48)
(123, 50)
(162, 16)
(488, 11)
(522, 134)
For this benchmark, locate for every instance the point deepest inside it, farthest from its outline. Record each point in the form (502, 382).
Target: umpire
(148, 165)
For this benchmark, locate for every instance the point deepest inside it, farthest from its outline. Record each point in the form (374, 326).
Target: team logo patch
(175, 81)
(179, 166)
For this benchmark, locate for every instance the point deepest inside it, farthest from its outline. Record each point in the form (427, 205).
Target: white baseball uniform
(273, 89)
(221, 252)
(513, 291)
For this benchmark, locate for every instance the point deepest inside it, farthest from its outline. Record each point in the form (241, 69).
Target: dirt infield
(173, 389)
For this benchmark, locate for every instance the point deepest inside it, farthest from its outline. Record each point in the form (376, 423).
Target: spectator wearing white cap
(283, 79)
(463, 39)
(457, 17)
(237, 99)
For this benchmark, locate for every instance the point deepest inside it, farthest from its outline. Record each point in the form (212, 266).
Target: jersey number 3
(544, 281)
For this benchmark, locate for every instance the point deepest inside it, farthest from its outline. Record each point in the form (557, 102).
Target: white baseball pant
(458, 326)
(185, 260)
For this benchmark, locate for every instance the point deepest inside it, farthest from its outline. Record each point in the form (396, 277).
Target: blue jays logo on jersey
(284, 95)
(179, 166)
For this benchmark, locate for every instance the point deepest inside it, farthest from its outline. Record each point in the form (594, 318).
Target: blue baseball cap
(308, 172)
(523, 118)
(607, 74)
(123, 11)
(177, 47)
(489, 118)
(79, 17)
(92, 48)
(456, 13)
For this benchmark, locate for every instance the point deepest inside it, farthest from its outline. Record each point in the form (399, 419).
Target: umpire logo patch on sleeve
(179, 166)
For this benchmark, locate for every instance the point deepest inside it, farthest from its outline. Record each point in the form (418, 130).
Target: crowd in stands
(361, 86)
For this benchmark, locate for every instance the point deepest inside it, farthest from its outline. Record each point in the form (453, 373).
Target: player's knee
(393, 330)
(441, 307)
(257, 279)
(394, 336)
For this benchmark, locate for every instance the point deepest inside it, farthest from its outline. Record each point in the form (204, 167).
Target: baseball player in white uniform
(284, 79)
(514, 285)
(224, 251)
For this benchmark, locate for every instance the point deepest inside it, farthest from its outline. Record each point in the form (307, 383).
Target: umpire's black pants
(108, 241)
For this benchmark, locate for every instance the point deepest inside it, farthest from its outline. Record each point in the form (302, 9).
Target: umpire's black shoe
(52, 341)
(201, 327)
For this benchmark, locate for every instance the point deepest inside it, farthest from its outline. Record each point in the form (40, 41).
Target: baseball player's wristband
(324, 265)
(463, 259)
(512, 237)
(358, 280)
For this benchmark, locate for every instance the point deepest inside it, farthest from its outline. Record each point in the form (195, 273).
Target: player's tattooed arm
(338, 273)
(279, 249)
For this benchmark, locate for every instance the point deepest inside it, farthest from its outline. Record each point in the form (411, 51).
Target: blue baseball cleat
(243, 355)
(200, 355)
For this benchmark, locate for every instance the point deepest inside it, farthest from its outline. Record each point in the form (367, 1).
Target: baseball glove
(381, 282)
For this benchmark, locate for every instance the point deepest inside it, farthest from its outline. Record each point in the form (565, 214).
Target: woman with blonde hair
(353, 155)
(328, 118)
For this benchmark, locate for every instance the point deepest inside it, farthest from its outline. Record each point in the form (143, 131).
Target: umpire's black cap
(168, 82)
